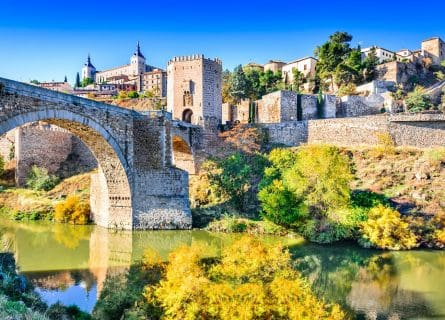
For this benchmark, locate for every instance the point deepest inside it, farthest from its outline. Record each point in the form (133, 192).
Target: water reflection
(374, 284)
(71, 263)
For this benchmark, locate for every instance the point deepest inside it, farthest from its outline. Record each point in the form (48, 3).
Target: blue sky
(47, 40)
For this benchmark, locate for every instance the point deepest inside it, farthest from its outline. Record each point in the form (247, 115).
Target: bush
(321, 176)
(72, 210)
(418, 100)
(280, 206)
(385, 229)
(367, 199)
(133, 95)
(349, 89)
(252, 281)
(39, 179)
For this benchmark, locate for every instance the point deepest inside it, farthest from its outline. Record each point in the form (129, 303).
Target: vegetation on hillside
(45, 195)
(326, 193)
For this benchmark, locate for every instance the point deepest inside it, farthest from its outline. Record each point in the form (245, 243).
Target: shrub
(280, 206)
(367, 199)
(349, 89)
(385, 145)
(133, 95)
(418, 100)
(321, 176)
(251, 281)
(39, 179)
(72, 210)
(385, 229)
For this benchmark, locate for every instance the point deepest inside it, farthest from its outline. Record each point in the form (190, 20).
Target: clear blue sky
(47, 40)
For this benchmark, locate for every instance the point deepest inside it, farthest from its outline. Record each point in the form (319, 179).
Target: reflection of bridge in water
(56, 256)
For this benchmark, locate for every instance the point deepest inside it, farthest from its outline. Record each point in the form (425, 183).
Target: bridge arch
(183, 157)
(111, 194)
(136, 187)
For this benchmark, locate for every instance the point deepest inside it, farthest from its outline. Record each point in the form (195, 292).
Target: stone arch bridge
(137, 185)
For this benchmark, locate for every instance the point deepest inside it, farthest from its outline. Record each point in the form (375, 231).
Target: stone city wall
(421, 131)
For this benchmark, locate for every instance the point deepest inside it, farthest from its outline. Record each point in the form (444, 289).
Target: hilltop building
(194, 89)
(88, 71)
(137, 75)
(57, 86)
(433, 48)
(305, 65)
(274, 66)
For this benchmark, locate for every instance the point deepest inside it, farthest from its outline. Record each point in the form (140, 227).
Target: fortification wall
(357, 106)
(412, 130)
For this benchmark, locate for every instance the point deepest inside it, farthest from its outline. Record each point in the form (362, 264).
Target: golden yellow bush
(251, 281)
(439, 237)
(72, 210)
(385, 229)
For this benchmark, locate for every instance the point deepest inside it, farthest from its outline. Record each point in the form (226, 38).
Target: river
(70, 264)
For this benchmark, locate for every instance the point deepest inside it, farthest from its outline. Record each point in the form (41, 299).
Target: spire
(138, 51)
(89, 64)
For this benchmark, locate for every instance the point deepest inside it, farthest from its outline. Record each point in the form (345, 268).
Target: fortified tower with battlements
(194, 90)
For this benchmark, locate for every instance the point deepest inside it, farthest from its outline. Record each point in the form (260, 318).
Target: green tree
(226, 88)
(238, 84)
(77, 84)
(65, 79)
(270, 81)
(370, 64)
(86, 81)
(331, 54)
(34, 82)
(298, 79)
(233, 178)
(418, 100)
(321, 176)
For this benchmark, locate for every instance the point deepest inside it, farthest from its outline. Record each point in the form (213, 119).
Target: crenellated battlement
(192, 58)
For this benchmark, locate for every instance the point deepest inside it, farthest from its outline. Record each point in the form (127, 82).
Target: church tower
(137, 61)
(89, 71)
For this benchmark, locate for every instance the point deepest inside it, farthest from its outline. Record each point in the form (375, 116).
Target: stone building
(194, 89)
(136, 75)
(253, 66)
(56, 86)
(136, 67)
(304, 65)
(88, 70)
(434, 48)
(154, 81)
(274, 66)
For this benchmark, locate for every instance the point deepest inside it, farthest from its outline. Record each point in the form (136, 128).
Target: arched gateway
(136, 186)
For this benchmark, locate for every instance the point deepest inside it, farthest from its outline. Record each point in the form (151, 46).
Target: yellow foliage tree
(72, 210)
(251, 281)
(385, 229)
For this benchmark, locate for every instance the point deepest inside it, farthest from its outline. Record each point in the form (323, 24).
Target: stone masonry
(417, 130)
(137, 185)
(194, 90)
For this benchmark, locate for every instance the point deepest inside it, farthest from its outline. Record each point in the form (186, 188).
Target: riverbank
(374, 192)
(24, 204)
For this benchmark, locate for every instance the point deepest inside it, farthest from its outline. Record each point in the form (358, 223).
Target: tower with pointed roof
(88, 70)
(137, 61)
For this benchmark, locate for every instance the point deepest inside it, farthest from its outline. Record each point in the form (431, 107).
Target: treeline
(339, 66)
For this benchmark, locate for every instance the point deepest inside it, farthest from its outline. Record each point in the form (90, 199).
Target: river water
(70, 264)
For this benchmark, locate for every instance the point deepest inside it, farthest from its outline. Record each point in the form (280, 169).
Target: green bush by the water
(39, 179)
